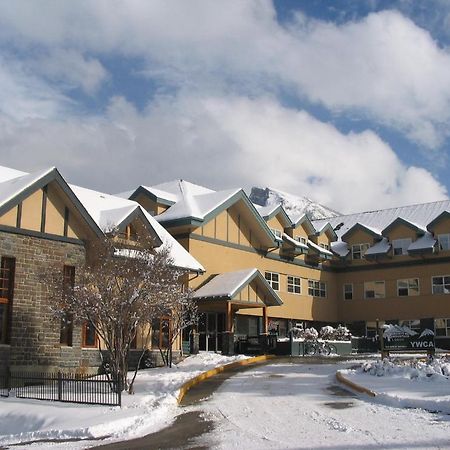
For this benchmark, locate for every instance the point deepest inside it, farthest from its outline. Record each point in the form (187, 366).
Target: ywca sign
(396, 337)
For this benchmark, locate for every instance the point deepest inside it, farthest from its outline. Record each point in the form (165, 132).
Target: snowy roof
(6, 173)
(109, 211)
(196, 206)
(294, 242)
(380, 248)
(371, 230)
(340, 248)
(420, 215)
(318, 248)
(227, 285)
(409, 223)
(423, 243)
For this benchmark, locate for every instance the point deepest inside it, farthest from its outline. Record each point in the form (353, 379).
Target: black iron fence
(62, 387)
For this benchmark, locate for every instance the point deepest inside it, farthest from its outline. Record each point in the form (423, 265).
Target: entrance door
(210, 328)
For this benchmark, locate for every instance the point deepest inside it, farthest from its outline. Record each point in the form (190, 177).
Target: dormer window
(301, 239)
(400, 246)
(277, 233)
(444, 241)
(358, 250)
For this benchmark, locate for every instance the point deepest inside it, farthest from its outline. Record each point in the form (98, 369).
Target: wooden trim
(66, 221)
(19, 215)
(44, 208)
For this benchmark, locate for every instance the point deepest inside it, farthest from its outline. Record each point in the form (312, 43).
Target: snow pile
(327, 333)
(153, 407)
(437, 369)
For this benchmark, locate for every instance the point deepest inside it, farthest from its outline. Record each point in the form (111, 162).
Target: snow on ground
(153, 407)
(288, 405)
(407, 383)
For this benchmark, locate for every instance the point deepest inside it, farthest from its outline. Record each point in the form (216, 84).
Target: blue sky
(346, 102)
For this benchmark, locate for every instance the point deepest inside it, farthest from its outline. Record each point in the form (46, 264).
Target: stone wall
(34, 331)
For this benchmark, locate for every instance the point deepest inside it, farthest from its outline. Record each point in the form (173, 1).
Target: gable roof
(110, 211)
(226, 286)
(15, 190)
(359, 226)
(444, 215)
(420, 214)
(326, 227)
(401, 221)
(268, 212)
(303, 219)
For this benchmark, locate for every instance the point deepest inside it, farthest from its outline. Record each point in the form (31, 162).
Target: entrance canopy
(244, 288)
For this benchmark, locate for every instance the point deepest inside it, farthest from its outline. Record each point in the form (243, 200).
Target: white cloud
(222, 142)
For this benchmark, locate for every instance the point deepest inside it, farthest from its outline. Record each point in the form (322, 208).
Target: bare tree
(118, 292)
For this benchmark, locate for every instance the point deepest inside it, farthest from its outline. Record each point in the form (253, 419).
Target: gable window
(400, 246)
(408, 287)
(442, 327)
(444, 241)
(277, 233)
(374, 289)
(317, 288)
(89, 335)
(7, 271)
(301, 239)
(66, 328)
(358, 250)
(441, 285)
(348, 291)
(273, 279)
(294, 285)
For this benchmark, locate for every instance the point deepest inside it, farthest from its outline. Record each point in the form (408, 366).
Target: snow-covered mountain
(293, 204)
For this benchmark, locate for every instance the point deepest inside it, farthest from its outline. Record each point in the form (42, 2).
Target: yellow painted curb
(354, 386)
(210, 373)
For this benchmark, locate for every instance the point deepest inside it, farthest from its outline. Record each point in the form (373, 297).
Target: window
(408, 287)
(325, 246)
(66, 328)
(277, 233)
(7, 271)
(348, 291)
(374, 289)
(358, 250)
(317, 288)
(444, 241)
(89, 336)
(294, 285)
(441, 285)
(400, 246)
(442, 327)
(161, 332)
(273, 279)
(301, 239)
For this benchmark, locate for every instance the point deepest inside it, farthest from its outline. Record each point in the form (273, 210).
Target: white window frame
(277, 233)
(409, 287)
(344, 291)
(443, 284)
(404, 244)
(301, 239)
(359, 249)
(294, 285)
(374, 296)
(446, 328)
(444, 241)
(317, 288)
(273, 280)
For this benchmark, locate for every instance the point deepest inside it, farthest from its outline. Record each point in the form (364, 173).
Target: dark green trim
(422, 251)
(142, 190)
(362, 227)
(190, 221)
(19, 215)
(394, 265)
(137, 213)
(39, 235)
(44, 208)
(400, 220)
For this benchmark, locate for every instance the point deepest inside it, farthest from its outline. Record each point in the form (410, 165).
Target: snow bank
(153, 407)
(407, 383)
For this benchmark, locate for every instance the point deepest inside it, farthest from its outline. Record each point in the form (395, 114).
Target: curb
(354, 386)
(212, 372)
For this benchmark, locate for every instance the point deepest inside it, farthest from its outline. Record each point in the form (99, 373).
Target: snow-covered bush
(429, 370)
(310, 334)
(335, 334)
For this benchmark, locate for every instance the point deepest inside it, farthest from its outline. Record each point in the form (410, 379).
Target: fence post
(59, 386)
(8, 380)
